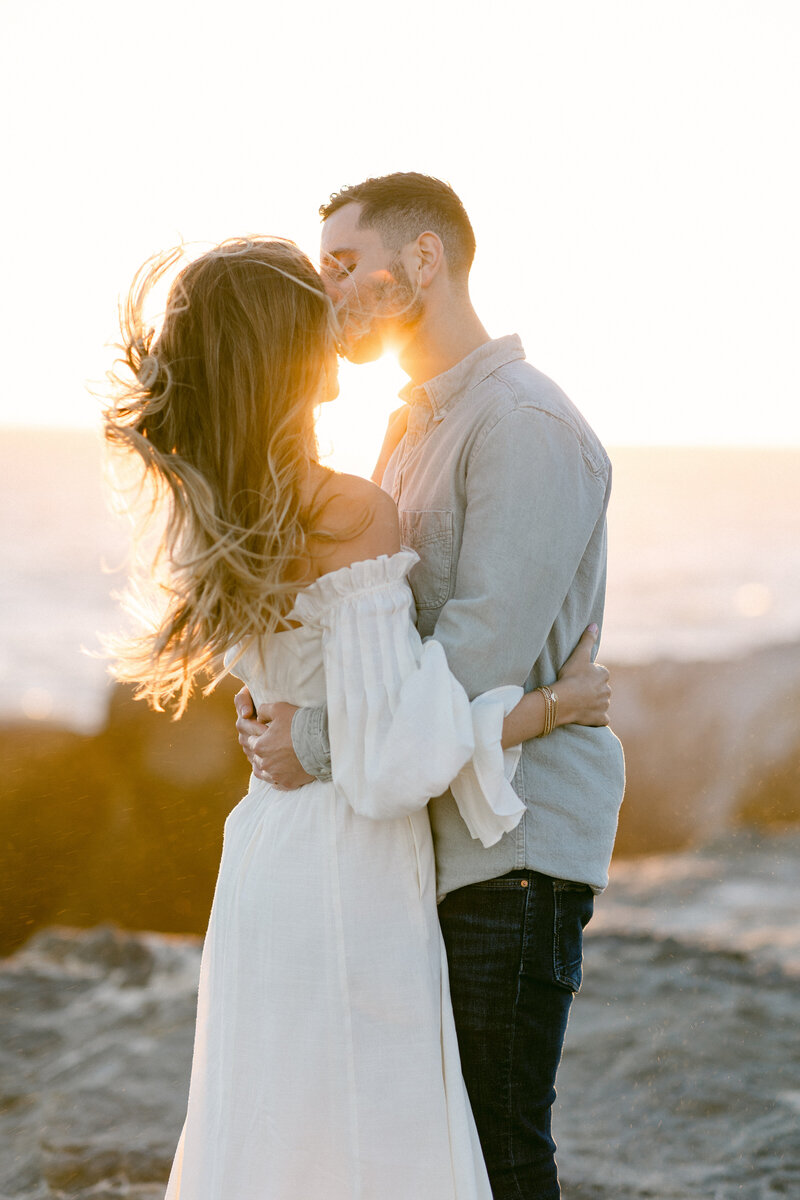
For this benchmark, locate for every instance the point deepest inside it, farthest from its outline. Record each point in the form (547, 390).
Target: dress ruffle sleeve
(482, 790)
(401, 726)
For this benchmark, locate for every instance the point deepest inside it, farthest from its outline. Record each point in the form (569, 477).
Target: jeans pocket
(573, 905)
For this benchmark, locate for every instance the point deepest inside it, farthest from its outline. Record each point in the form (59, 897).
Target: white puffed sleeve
(482, 790)
(401, 726)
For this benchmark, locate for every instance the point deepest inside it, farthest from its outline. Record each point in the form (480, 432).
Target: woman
(325, 1058)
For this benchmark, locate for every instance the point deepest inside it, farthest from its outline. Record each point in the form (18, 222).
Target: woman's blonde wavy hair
(219, 409)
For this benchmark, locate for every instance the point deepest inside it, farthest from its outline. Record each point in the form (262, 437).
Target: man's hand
(267, 742)
(246, 725)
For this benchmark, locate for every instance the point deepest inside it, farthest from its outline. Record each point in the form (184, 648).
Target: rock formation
(127, 825)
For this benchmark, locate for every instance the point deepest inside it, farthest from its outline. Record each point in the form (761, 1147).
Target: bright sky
(630, 167)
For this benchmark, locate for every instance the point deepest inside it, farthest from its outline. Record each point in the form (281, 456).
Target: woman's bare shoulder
(356, 520)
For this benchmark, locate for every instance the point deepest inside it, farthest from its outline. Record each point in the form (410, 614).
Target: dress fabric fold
(325, 1059)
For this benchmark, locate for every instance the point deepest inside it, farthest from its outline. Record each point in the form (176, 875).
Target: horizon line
(14, 427)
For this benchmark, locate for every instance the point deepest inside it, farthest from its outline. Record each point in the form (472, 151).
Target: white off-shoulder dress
(325, 1061)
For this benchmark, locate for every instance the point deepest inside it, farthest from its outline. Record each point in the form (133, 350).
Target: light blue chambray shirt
(502, 490)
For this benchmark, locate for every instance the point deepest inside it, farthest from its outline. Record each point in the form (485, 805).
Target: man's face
(369, 285)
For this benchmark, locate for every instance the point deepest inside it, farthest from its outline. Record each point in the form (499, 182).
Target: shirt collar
(441, 392)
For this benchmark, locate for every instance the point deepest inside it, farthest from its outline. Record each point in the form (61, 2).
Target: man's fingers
(248, 729)
(261, 772)
(249, 725)
(244, 703)
(257, 744)
(278, 710)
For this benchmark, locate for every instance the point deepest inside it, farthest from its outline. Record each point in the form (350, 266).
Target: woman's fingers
(586, 689)
(604, 697)
(581, 657)
(585, 646)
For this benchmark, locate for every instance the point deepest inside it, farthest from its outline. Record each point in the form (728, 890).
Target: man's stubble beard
(377, 318)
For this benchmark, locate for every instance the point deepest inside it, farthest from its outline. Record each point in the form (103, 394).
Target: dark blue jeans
(514, 949)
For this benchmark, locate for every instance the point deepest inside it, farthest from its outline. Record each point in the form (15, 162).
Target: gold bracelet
(550, 709)
(545, 694)
(551, 715)
(553, 711)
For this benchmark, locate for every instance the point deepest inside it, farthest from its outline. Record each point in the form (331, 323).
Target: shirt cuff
(311, 742)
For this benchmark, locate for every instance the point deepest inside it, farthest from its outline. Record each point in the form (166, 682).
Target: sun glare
(350, 430)
(643, 246)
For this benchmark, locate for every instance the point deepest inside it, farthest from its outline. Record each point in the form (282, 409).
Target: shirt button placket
(415, 432)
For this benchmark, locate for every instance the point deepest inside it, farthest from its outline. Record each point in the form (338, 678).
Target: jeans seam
(557, 973)
(509, 1113)
(520, 857)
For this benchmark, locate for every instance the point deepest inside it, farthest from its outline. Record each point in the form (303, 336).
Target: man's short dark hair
(406, 204)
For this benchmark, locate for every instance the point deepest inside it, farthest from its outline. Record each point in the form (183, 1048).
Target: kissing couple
(430, 633)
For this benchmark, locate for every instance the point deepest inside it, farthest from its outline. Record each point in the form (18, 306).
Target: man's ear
(427, 260)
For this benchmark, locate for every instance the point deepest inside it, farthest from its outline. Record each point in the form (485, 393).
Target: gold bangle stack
(550, 709)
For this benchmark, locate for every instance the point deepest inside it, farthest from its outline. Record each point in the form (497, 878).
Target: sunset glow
(626, 168)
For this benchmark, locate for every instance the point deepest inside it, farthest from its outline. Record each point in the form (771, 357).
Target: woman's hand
(583, 697)
(582, 686)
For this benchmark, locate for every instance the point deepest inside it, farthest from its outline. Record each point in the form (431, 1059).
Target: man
(502, 490)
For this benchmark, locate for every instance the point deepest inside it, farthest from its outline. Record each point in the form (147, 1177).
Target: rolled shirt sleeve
(311, 741)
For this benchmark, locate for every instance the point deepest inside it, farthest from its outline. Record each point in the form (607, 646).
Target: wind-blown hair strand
(218, 408)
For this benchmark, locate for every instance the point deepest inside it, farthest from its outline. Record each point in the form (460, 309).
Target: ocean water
(704, 563)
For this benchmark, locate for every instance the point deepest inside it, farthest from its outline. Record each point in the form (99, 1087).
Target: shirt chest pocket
(431, 535)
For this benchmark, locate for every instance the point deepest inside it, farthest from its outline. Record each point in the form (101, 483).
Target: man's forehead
(340, 232)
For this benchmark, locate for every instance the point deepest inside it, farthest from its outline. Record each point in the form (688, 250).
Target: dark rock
(679, 1077)
(95, 1080)
(707, 746)
(93, 1134)
(107, 949)
(125, 826)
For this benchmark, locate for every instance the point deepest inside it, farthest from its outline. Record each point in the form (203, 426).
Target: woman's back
(355, 520)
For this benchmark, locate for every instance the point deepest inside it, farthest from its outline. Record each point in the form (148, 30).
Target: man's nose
(332, 288)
